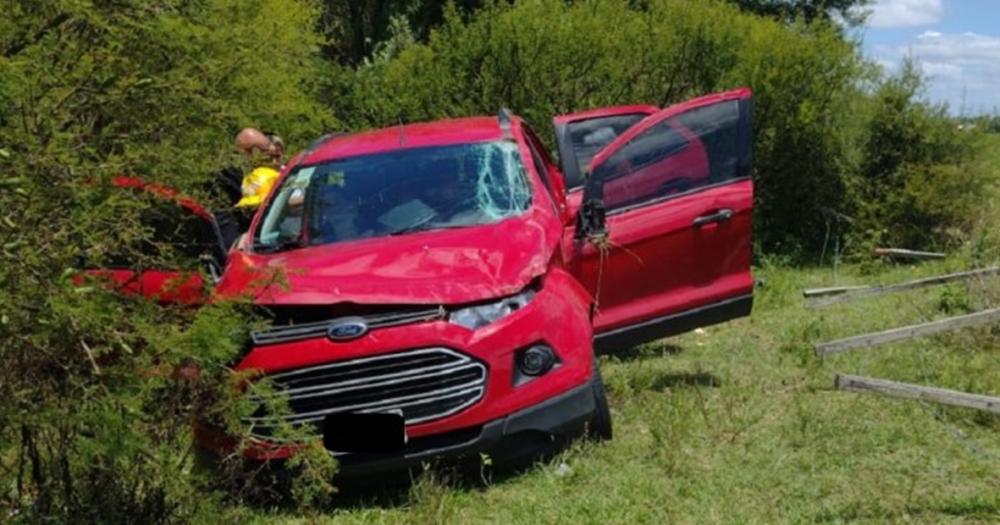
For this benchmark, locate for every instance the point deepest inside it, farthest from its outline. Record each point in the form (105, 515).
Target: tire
(599, 428)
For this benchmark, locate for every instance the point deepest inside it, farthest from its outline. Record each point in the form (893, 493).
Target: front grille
(423, 385)
(296, 332)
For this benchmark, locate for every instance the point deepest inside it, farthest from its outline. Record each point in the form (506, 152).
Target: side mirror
(591, 224)
(212, 267)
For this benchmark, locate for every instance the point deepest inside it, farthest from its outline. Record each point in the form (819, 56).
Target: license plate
(369, 432)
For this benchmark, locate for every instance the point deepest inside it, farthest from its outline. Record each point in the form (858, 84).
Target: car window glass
(691, 150)
(590, 136)
(395, 193)
(540, 166)
(173, 238)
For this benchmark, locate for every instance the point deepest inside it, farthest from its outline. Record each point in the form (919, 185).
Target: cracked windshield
(395, 193)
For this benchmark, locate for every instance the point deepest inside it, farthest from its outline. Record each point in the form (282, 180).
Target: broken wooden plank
(851, 293)
(831, 290)
(908, 332)
(918, 392)
(907, 254)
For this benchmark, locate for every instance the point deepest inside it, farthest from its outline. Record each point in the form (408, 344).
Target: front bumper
(521, 435)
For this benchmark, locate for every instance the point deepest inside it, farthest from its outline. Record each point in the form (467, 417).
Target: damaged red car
(445, 285)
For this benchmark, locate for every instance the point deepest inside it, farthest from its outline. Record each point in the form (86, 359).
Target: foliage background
(95, 420)
(95, 425)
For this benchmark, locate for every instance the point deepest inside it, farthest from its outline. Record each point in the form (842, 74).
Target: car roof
(606, 112)
(423, 134)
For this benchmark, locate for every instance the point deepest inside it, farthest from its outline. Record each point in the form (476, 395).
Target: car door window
(176, 238)
(184, 234)
(691, 150)
(587, 137)
(543, 162)
(540, 167)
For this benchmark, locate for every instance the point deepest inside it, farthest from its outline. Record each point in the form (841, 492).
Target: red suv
(443, 286)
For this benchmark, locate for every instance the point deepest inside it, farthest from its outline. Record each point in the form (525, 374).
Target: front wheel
(599, 427)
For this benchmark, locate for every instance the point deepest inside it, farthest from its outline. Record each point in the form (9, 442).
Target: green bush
(95, 424)
(545, 58)
(917, 186)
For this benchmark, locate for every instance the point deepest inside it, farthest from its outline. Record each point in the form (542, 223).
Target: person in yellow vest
(265, 151)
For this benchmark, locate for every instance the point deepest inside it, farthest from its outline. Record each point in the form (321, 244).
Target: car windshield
(395, 193)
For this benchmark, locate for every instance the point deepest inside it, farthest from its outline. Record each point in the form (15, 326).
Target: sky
(955, 42)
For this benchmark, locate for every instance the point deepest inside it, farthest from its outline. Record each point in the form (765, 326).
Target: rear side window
(588, 137)
(180, 231)
(697, 148)
(174, 238)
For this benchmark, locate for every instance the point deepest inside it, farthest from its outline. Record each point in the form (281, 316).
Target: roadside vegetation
(737, 423)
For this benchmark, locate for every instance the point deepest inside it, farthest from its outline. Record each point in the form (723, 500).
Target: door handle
(722, 215)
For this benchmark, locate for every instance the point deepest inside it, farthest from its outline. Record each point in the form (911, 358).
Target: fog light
(536, 360)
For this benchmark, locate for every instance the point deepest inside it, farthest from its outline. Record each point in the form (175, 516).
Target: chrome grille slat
(290, 333)
(348, 376)
(375, 381)
(476, 391)
(394, 391)
(389, 382)
(376, 406)
(280, 376)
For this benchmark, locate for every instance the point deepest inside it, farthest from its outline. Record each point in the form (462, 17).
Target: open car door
(179, 224)
(663, 235)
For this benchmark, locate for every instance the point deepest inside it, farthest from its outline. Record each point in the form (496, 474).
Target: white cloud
(963, 69)
(906, 13)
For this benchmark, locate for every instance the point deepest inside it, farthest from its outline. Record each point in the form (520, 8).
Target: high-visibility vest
(256, 186)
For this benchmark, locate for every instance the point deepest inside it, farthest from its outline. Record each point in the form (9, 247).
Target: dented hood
(434, 267)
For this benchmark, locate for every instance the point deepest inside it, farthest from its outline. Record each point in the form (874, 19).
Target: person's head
(252, 142)
(276, 147)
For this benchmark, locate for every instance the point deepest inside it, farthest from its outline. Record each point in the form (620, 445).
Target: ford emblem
(347, 328)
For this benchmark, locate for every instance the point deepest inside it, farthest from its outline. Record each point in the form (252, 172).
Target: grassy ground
(740, 424)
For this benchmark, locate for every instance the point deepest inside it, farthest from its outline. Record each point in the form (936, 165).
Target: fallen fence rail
(908, 332)
(908, 254)
(820, 297)
(918, 392)
(809, 293)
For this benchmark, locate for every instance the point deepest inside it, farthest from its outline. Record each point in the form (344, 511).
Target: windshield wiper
(409, 229)
(281, 246)
(416, 226)
(425, 227)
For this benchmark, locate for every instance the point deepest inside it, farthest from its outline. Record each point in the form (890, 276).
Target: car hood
(433, 267)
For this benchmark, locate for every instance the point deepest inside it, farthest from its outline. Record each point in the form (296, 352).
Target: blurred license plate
(347, 432)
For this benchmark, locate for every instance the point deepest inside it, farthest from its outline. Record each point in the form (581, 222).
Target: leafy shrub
(98, 392)
(547, 58)
(917, 186)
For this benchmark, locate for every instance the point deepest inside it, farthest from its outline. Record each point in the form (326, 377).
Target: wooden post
(846, 293)
(922, 393)
(908, 332)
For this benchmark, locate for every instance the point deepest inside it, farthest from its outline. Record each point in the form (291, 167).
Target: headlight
(474, 317)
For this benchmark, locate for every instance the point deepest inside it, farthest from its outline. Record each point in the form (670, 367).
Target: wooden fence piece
(809, 293)
(908, 254)
(847, 293)
(922, 393)
(908, 332)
